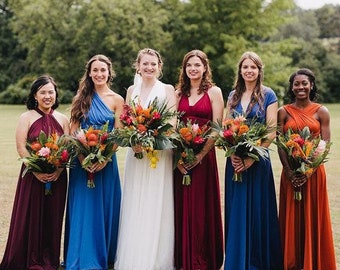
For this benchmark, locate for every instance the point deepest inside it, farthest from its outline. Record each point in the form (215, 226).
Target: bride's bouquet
(189, 139)
(47, 154)
(97, 145)
(242, 137)
(304, 152)
(148, 128)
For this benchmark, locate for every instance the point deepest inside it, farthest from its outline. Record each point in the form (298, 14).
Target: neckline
(43, 113)
(192, 105)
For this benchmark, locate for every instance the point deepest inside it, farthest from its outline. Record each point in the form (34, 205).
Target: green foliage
(58, 38)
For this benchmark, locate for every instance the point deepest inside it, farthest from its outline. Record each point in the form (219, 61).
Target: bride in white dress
(146, 230)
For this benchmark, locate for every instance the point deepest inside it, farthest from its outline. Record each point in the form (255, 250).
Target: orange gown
(305, 225)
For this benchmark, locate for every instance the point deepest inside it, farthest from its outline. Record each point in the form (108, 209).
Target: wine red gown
(36, 223)
(306, 228)
(198, 222)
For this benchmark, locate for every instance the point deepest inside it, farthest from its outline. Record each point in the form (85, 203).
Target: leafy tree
(12, 56)
(328, 18)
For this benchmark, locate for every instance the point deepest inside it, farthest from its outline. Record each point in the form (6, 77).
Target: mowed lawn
(9, 167)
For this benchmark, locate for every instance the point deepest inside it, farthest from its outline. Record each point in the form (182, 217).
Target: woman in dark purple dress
(198, 222)
(36, 224)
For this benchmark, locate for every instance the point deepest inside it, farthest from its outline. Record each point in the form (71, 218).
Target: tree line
(59, 36)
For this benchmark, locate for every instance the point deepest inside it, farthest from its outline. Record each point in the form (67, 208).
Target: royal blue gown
(92, 214)
(252, 238)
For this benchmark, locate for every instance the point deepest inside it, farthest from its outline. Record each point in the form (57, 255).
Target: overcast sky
(311, 4)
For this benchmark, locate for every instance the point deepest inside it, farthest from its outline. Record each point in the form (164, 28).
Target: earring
(36, 103)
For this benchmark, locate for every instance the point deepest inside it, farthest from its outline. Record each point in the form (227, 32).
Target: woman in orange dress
(306, 229)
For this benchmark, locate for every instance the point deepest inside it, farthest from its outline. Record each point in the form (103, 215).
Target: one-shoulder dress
(198, 221)
(36, 224)
(252, 235)
(146, 231)
(306, 227)
(92, 214)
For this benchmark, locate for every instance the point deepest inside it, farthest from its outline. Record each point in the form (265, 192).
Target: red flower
(198, 140)
(64, 155)
(228, 134)
(299, 140)
(156, 116)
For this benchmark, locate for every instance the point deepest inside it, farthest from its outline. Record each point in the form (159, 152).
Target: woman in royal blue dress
(35, 231)
(92, 215)
(252, 239)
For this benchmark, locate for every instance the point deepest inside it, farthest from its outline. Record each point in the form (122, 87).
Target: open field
(9, 167)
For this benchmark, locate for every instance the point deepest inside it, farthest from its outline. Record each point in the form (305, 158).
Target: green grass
(9, 167)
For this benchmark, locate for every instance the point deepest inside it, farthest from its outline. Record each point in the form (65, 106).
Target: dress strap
(42, 113)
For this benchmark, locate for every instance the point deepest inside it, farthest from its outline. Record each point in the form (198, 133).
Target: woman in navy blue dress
(252, 238)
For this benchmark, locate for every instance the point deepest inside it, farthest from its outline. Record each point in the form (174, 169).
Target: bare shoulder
(323, 112)
(117, 96)
(60, 115)
(169, 87)
(215, 91)
(281, 111)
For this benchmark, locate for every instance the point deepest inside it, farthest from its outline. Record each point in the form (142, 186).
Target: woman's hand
(181, 168)
(297, 179)
(184, 168)
(48, 177)
(96, 167)
(240, 164)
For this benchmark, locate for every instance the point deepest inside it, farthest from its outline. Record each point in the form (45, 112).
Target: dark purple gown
(36, 224)
(198, 222)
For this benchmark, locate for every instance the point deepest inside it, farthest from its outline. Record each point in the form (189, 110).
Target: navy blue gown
(252, 238)
(92, 214)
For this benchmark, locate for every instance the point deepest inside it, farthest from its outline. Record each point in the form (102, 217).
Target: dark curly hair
(313, 95)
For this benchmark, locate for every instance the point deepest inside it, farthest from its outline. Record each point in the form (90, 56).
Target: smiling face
(99, 73)
(301, 86)
(148, 66)
(46, 97)
(249, 70)
(195, 68)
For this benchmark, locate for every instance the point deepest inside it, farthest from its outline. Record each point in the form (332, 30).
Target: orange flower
(186, 134)
(35, 146)
(140, 119)
(309, 147)
(141, 128)
(294, 136)
(243, 129)
(51, 145)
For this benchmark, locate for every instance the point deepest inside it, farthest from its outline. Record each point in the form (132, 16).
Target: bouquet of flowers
(148, 128)
(304, 152)
(47, 154)
(97, 145)
(189, 141)
(242, 137)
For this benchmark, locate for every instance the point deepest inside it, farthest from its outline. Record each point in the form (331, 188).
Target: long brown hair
(240, 86)
(82, 100)
(184, 81)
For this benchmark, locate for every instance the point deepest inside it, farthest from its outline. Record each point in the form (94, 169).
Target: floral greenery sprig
(304, 152)
(148, 128)
(189, 139)
(96, 145)
(47, 154)
(242, 137)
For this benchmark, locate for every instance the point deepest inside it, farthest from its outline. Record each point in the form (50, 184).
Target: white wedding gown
(146, 230)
